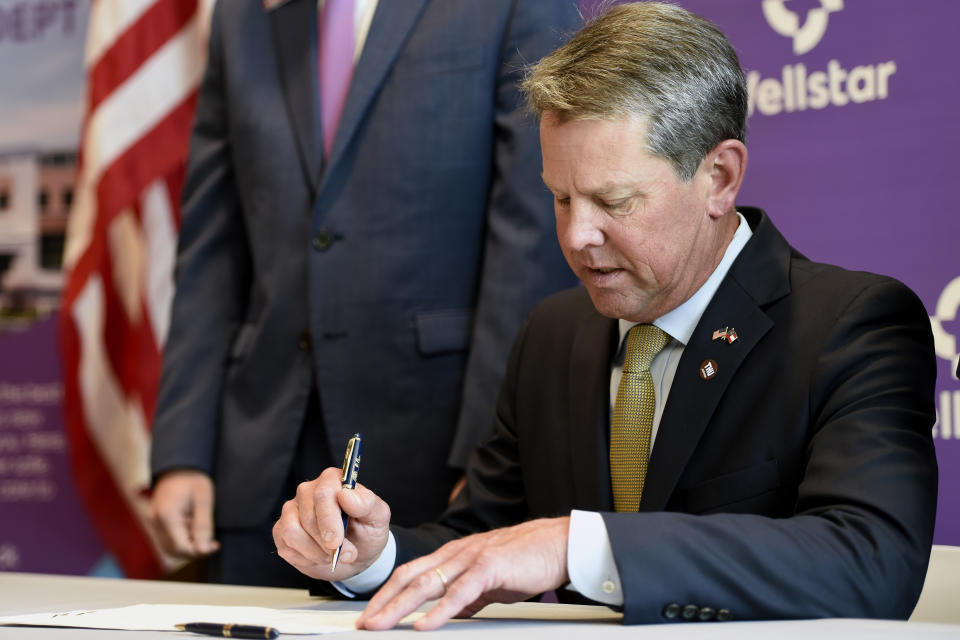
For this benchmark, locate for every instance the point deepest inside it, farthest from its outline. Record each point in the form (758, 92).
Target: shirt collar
(680, 322)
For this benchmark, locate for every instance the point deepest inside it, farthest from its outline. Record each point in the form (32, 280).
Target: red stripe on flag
(110, 514)
(158, 152)
(141, 40)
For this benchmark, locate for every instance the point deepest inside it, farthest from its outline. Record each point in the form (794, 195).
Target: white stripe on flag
(161, 244)
(109, 19)
(117, 427)
(148, 96)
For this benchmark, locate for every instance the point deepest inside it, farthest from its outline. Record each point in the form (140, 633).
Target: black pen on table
(229, 630)
(348, 480)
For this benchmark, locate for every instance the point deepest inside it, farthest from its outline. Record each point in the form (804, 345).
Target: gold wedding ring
(443, 578)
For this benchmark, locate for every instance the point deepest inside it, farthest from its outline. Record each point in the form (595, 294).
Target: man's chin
(614, 305)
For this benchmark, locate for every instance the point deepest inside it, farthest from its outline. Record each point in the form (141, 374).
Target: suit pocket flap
(732, 487)
(443, 331)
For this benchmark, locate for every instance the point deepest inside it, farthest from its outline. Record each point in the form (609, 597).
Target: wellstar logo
(787, 23)
(798, 88)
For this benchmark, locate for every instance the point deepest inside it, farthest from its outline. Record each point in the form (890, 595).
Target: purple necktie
(336, 64)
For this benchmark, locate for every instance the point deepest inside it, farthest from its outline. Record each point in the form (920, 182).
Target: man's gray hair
(654, 61)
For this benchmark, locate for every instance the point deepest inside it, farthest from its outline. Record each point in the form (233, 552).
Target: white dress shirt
(362, 17)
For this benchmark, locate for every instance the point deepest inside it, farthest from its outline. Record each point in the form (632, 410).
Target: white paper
(165, 617)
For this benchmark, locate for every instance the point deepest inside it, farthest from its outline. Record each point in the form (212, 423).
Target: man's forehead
(552, 119)
(605, 156)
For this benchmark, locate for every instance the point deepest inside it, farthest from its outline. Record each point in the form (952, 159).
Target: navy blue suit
(800, 481)
(391, 277)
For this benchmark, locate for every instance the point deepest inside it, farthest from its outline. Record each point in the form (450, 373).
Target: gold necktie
(633, 417)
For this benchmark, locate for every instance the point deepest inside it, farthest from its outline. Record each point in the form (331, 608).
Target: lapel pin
(708, 369)
(727, 333)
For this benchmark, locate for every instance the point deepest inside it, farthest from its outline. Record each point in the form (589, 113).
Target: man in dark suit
(370, 279)
(788, 404)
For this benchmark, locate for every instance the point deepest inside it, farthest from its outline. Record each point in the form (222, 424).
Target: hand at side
(181, 510)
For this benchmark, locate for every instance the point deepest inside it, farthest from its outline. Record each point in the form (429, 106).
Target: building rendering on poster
(42, 526)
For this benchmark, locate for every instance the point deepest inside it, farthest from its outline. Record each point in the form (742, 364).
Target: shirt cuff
(590, 562)
(373, 576)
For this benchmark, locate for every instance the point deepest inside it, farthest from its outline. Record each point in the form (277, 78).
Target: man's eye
(617, 205)
(561, 202)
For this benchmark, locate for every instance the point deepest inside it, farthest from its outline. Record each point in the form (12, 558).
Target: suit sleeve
(522, 262)
(212, 278)
(858, 541)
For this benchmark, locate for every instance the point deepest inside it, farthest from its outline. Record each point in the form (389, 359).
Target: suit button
(690, 612)
(323, 240)
(304, 341)
(706, 613)
(671, 611)
(723, 615)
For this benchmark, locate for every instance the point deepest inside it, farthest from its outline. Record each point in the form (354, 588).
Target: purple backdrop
(43, 527)
(851, 136)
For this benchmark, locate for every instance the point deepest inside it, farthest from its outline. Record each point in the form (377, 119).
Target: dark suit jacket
(798, 482)
(397, 273)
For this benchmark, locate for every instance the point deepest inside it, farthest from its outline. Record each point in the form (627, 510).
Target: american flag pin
(727, 333)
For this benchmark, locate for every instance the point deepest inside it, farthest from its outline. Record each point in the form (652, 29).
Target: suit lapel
(759, 275)
(693, 399)
(391, 26)
(296, 46)
(589, 407)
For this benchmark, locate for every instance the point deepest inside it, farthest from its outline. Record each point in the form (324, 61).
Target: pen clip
(351, 462)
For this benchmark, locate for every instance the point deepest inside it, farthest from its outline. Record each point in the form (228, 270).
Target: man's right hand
(181, 508)
(310, 528)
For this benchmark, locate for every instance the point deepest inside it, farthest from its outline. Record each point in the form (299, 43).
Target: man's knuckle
(424, 581)
(404, 572)
(485, 559)
(322, 493)
(304, 488)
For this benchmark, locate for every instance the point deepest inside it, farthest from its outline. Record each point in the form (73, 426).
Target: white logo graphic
(787, 23)
(945, 343)
(9, 557)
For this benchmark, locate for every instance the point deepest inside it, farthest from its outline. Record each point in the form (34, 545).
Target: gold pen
(348, 480)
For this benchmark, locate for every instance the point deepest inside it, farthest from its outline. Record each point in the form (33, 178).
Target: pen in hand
(229, 630)
(348, 480)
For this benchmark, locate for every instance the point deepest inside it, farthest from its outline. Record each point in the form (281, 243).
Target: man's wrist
(373, 576)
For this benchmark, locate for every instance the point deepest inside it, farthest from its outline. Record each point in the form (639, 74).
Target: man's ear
(726, 164)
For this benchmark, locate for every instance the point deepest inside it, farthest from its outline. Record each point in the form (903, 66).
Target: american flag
(143, 60)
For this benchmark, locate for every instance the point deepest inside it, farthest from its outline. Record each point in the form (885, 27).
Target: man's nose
(578, 228)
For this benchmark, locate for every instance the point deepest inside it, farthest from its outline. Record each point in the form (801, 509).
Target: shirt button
(322, 240)
(608, 586)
